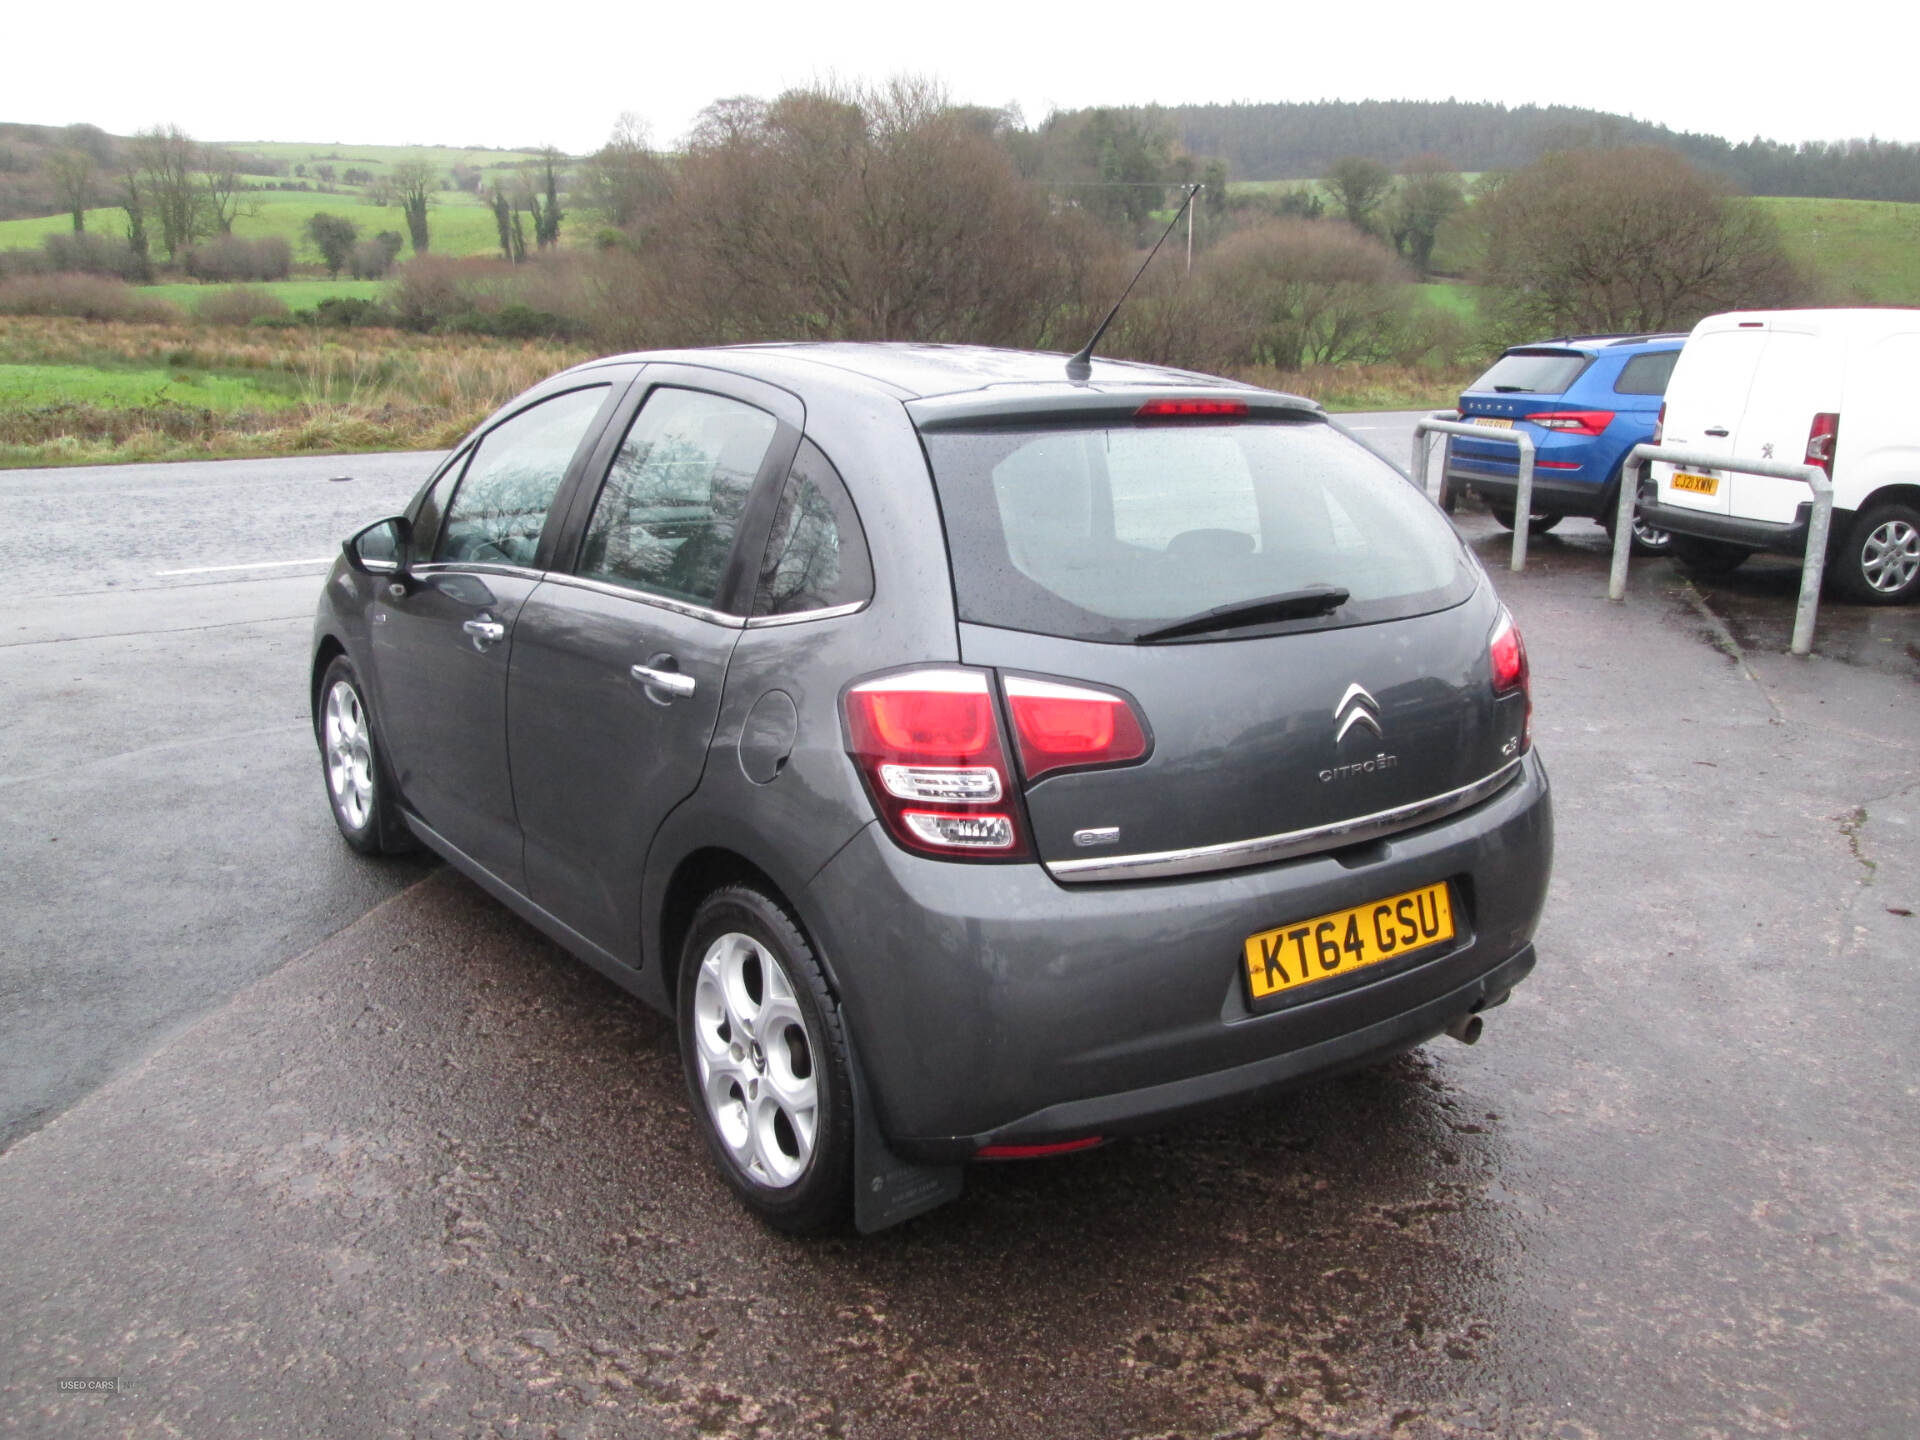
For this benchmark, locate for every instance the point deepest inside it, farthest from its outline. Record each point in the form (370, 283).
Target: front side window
(500, 506)
(666, 517)
(817, 555)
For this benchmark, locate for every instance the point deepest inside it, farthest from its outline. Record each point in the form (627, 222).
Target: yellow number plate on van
(1489, 423)
(1346, 940)
(1698, 484)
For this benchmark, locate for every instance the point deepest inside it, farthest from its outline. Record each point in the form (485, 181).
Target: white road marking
(255, 565)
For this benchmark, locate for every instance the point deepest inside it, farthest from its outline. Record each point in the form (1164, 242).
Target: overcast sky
(480, 73)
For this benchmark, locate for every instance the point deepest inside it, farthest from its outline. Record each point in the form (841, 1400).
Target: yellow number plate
(1347, 940)
(1699, 484)
(1490, 423)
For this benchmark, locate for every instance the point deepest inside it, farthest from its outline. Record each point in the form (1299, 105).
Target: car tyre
(1879, 563)
(1648, 542)
(359, 788)
(765, 1055)
(1708, 558)
(1539, 523)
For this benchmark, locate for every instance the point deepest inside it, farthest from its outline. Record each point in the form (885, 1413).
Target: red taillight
(1508, 655)
(1034, 1152)
(1573, 422)
(1660, 423)
(1822, 437)
(927, 743)
(1189, 409)
(1064, 727)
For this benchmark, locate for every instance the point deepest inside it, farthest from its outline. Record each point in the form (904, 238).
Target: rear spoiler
(1081, 404)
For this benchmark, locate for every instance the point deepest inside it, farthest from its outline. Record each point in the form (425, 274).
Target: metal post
(1522, 505)
(1812, 566)
(1623, 521)
(1436, 424)
(1815, 564)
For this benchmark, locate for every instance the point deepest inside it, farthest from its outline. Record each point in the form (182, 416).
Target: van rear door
(1798, 376)
(1705, 403)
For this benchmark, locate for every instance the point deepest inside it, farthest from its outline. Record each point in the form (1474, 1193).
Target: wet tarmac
(434, 1178)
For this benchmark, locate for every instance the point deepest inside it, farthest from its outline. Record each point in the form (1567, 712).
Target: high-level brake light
(1190, 409)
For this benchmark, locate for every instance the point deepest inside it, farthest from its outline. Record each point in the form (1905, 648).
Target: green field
(1453, 296)
(1864, 251)
(294, 294)
(457, 224)
(24, 385)
(380, 159)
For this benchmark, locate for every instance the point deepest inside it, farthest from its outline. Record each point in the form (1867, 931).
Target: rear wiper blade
(1289, 605)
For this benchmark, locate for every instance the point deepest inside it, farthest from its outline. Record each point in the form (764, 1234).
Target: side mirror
(381, 548)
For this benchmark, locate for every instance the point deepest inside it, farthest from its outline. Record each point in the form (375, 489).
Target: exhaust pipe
(1465, 1028)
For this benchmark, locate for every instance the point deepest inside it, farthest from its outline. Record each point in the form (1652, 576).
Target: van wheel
(1880, 562)
(765, 1055)
(1708, 557)
(1539, 523)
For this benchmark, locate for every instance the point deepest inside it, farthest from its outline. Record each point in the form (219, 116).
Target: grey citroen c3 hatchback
(977, 762)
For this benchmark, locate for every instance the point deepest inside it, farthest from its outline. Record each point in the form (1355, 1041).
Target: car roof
(916, 371)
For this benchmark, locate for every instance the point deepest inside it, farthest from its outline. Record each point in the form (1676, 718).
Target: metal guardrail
(1438, 423)
(1811, 568)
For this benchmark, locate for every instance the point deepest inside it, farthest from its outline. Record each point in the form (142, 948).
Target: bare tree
(71, 169)
(1359, 185)
(169, 163)
(1627, 240)
(220, 175)
(134, 202)
(414, 183)
(1428, 195)
(624, 181)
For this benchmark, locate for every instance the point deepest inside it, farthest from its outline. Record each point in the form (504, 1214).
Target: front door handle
(671, 681)
(1717, 431)
(485, 632)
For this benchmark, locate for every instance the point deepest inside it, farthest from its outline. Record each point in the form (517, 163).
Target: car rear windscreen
(1105, 532)
(1533, 372)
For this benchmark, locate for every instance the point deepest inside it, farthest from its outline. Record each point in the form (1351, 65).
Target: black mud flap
(887, 1189)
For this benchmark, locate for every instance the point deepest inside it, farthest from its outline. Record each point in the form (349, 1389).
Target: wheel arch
(1901, 492)
(697, 875)
(329, 649)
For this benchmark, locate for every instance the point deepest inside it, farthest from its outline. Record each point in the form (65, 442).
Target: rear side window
(817, 555)
(1533, 372)
(512, 475)
(1646, 374)
(1104, 533)
(665, 519)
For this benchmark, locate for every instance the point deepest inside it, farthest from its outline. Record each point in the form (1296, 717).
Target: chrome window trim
(476, 567)
(830, 612)
(647, 597)
(1290, 845)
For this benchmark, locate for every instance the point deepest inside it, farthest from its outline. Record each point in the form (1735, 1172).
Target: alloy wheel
(1890, 556)
(349, 750)
(756, 1061)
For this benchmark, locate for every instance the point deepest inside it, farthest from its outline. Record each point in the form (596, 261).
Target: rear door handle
(485, 632)
(1716, 431)
(671, 681)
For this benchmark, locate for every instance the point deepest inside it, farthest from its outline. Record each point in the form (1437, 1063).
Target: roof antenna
(1080, 367)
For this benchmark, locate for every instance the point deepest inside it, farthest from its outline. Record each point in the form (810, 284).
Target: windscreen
(1533, 372)
(1106, 533)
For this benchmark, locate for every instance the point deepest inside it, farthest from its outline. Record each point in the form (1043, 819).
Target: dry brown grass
(357, 389)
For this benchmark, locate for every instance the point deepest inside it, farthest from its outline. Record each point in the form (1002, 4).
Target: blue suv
(1585, 403)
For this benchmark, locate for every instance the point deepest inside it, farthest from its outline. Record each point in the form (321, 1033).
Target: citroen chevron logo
(1356, 707)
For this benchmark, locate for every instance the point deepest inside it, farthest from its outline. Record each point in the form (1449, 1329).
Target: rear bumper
(1732, 529)
(991, 1005)
(1550, 492)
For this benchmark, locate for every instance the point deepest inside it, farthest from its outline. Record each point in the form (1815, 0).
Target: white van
(1838, 388)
